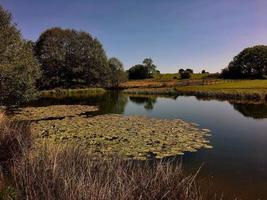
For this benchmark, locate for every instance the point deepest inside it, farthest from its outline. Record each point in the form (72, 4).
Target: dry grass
(14, 136)
(149, 83)
(69, 173)
(50, 172)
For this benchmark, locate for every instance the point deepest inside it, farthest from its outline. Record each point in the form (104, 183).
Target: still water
(236, 166)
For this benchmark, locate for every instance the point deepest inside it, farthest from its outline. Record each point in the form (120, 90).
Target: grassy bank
(65, 93)
(48, 171)
(242, 89)
(252, 90)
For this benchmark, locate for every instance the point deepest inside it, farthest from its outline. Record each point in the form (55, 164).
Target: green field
(244, 86)
(171, 76)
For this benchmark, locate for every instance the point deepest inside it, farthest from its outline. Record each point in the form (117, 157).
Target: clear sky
(174, 33)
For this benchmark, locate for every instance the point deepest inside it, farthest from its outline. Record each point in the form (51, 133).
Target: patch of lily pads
(109, 135)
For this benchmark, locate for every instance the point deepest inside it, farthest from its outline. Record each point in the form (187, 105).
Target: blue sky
(174, 33)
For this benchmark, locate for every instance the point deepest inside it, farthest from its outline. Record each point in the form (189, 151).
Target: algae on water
(108, 135)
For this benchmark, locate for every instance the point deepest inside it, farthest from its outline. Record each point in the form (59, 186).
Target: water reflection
(148, 102)
(115, 102)
(237, 163)
(109, 102)
(255, 111)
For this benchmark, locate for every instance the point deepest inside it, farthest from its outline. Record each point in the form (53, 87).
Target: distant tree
(185, 75)
(250, 63)
(190, 71)
(138, 72)
(18, 67)
(148, 62)
(181, 71)
(69, 57)
(147, 70)
(203, 71)
(117, 75)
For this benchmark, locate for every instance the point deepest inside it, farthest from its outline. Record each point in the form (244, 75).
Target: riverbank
(65, 93)
(252, 90)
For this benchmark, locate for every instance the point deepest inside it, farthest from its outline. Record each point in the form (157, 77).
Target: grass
(252, 90)
(163, 81)
(55, 172)
(241, 89)
(171, 76)
(70, 173)
(65, 93)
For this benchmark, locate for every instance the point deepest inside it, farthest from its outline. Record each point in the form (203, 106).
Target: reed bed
(69, 173)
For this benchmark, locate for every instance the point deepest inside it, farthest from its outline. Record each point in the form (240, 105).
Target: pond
(237, 164)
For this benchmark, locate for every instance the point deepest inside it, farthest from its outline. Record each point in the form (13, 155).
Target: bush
(18, 67)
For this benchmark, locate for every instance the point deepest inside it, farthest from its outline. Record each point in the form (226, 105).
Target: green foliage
(147, 70)
(118, 75)
(181, 71)
(185, 75)
(250, 63)
(190, 71)
(70, 57)
(18, 67)
(148, 63)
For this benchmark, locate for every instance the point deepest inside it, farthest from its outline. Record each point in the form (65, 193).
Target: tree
(138, 72)
(18, 67)
(190, 71)
(250, 63)
(118, 75)
(69, 57)
(185, 75)
(203, 71)
(181, 71)
(147, 70)
(151, 68)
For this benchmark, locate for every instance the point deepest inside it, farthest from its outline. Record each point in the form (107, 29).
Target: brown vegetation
(70, 173)
(55, 172)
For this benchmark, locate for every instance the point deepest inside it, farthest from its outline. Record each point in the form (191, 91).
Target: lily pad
(135, 137)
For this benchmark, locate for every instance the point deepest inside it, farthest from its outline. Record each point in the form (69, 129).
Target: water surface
(236, 166)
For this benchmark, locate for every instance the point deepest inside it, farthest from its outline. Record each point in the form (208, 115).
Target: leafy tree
(69, 58)
(118, 75)
(18, 67)
(151, 68)
(185, 75)
(203, 71)
(147, 70)
(181, 71)
(190, 71)
(138, 72)
(250, 63)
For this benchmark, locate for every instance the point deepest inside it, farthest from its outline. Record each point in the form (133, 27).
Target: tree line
(59, 58)
(65, 58)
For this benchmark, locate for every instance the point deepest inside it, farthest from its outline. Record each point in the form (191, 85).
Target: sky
(197, 34)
